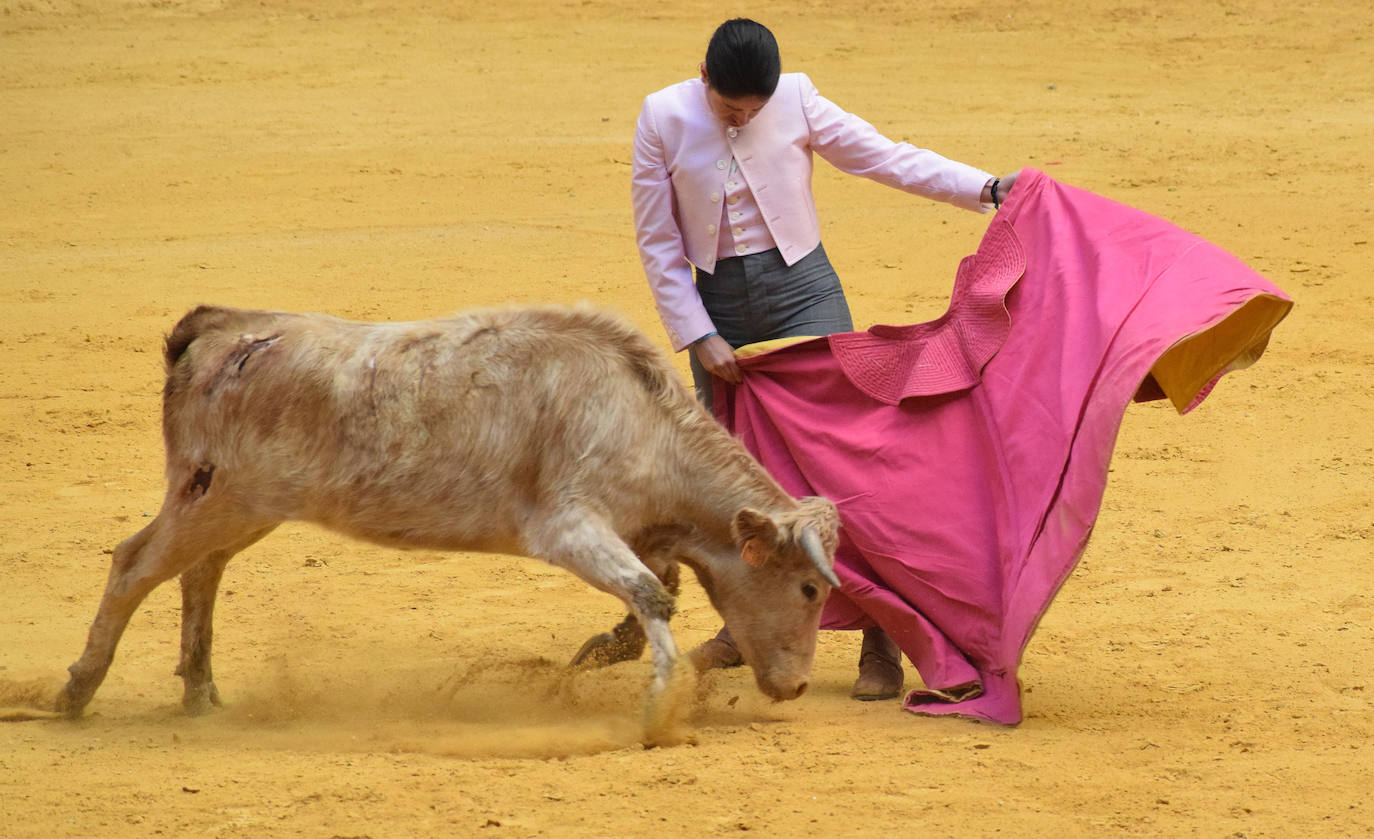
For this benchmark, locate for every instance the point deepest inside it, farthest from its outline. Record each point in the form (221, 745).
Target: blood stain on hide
(200, 481)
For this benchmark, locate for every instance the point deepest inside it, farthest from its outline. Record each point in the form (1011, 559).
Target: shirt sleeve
(852, 145)
(659, 237)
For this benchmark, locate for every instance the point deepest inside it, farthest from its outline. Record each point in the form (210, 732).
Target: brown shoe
(880, 668)
(719, 651)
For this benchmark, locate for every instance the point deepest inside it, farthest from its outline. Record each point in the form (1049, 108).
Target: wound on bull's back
(246, 351)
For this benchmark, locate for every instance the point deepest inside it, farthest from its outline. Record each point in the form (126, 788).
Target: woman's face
(735, 111)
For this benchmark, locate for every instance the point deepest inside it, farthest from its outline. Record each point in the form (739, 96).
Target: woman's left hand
(1005, 186)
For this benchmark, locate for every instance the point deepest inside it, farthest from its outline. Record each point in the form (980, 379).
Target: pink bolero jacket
(682, 155)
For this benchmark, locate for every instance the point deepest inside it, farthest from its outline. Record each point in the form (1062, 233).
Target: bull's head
(772, 600)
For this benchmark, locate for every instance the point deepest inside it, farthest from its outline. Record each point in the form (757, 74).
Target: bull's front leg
(654, 606)
(580, 541)
(626, 640)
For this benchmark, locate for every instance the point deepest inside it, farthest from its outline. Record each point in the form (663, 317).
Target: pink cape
(968, 456)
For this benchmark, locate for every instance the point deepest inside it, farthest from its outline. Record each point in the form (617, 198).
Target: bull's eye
(809, 591)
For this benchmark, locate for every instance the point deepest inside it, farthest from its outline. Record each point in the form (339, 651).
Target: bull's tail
(203, 324)
(197, 339)
(196, 322)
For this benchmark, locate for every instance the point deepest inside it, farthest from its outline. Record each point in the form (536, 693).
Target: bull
(559, 433)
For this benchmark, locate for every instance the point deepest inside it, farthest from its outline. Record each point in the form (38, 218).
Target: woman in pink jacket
(722, 183)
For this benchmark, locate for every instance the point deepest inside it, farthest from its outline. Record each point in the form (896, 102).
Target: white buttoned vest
(682, 157)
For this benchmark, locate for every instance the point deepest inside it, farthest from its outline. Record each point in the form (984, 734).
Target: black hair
(742, 59)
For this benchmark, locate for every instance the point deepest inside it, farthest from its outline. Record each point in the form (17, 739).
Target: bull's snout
(783, 673)
(782, 692)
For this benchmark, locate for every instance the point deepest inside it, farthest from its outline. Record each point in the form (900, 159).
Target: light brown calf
(549, 432)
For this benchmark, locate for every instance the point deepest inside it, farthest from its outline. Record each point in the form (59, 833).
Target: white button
(732, 131)
(736, 216)
(731, 185)
(715, 197)
(732, 200)
(739, 231)
(710, 228)
(720, 164)
(740, 249)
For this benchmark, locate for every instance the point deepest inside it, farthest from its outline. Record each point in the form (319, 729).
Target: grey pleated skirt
(760, 297)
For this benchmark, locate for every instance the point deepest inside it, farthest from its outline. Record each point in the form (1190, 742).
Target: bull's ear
(751, 526)
(754, 552)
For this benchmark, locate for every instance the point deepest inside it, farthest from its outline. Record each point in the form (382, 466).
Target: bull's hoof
(604, 650)
(668, 707)
(201, 700)
(69, 703)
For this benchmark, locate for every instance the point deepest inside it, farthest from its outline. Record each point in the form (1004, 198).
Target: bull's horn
(811, 543)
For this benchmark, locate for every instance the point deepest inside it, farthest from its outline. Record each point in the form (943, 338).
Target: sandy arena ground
(1207, 671)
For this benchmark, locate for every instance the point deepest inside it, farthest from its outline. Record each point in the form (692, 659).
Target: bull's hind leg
(183, 534)
(131, 577)
(199, 587)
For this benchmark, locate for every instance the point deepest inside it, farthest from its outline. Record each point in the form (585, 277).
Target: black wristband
(996, 205)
